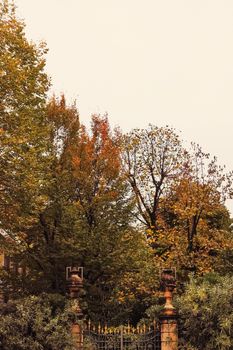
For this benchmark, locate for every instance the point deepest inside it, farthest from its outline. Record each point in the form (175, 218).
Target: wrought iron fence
(122, 338)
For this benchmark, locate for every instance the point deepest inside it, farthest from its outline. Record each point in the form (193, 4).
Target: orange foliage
(96, 166)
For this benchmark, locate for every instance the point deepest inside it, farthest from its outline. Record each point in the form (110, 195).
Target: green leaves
(24, 134)
(41, 323)
(206, 313)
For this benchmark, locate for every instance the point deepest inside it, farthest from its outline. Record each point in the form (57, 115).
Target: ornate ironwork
(122, 338)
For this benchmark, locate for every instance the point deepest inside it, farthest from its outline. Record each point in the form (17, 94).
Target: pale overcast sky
(152, 61)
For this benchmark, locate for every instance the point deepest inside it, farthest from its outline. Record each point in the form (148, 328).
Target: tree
(200, 193)
(153, 160)
(23, 131)
(47, 240)
(178, 195)
(104, 233)
(199, 222)
(98, 177)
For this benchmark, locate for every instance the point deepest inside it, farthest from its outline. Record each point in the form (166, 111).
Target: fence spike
(125, 333)
(154, 324)
(144, 328)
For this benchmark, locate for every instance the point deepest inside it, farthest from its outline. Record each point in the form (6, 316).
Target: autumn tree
(23, 132)
(97, 172)
(178, 195)
(201, 192)
(199, 216)
(48, 239)
(64, 135)
(153, 160)
(103, 207)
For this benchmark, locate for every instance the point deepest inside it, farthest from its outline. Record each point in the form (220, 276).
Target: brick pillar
(168, 316)
(77, 334)
(75, 284)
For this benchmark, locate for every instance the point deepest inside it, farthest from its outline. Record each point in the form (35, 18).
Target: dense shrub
(206, 313)
(38, 323)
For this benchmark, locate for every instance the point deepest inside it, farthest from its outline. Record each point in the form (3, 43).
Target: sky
(164, 62)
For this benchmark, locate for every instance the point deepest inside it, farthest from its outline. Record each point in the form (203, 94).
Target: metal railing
(122, 338)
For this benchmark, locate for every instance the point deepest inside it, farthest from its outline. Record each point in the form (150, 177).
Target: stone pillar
(168, 316)
(75, 285)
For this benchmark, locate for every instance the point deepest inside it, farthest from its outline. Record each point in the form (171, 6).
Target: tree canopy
(23, 133)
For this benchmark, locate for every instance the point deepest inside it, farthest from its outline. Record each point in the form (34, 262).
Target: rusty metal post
(168, 316)
(74, 278)
(2, 298)
(122, 338)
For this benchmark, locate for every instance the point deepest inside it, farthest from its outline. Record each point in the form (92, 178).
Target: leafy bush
(206, 313)
(38, 323)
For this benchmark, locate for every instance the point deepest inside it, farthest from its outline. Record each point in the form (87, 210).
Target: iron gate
(122, 338)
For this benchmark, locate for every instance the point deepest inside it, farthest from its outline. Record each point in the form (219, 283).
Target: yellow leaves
(170, 248)
(149, 233)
